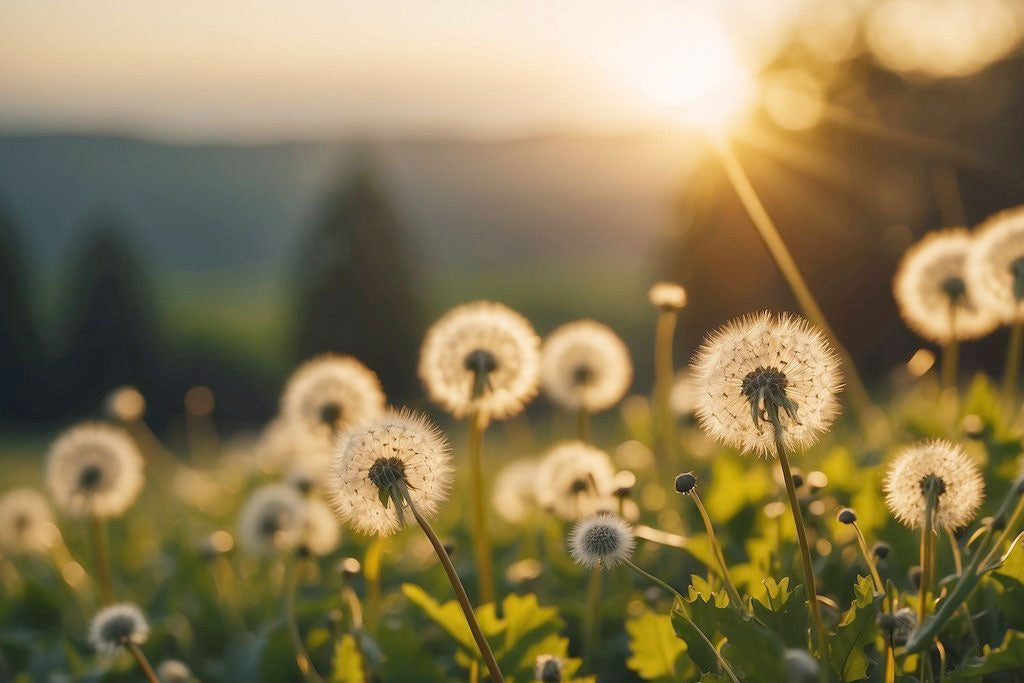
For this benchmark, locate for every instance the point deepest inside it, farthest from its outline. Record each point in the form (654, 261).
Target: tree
(21, 353)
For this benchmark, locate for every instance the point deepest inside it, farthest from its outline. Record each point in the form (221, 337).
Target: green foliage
(1008, 656)
(784, 611)
(654, 648)
(857, 629)
(348, 662)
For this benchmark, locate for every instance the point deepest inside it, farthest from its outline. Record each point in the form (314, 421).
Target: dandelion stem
(302, 659)
(99, 544)
(371, 572)
(481, 539)
(875, 576)
(592, 621)
(583, 424)
(716, 550)
(682, 611)
(460, 591)
(664, 372)
(950, 355)
(140, 659)
(805, 551)
(791, 272)
(1011, 371)
(927, 547)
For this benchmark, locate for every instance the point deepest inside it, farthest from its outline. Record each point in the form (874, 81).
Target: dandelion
(682, 398)
(26, 523)
(174, 671)
(548, 668)
(933, 297)
(995, 271)
(481, 357)
(667, 295)
(330, 393)
(585, 367)
(670, 298)
(94, 470)
(575, 480)
(515, 491)
(273, 519)
(396, 461)
(278, 446)
(320, 535)
(121, 626)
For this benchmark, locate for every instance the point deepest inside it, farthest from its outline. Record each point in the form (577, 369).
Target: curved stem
(716, 550)
(950, 355)
(1011, 371)
(805, 551)
(481, 539)
(682, 610)
(1011, 524)
(875, 576)
(99, 544)
(460, 592)
(302, 659)
(664, 373)
(140, 659)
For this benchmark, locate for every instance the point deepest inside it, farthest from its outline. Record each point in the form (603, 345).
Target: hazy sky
(255, 68)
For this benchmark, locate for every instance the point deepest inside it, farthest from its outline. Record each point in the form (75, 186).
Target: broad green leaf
(1008, 656)
(857, 629)
(524, 615)
(448, 616)
(751, 647)
(686, 629)
(348, 662)
(784, 611)
(653, 645)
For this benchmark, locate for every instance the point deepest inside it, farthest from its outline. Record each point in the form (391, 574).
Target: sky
(252, 69)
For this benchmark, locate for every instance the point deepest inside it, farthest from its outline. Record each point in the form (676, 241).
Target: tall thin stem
(664, 373)
(302, 659)
(927, 547)
(790, 271)
(140, 659)
(950, 356)
(481, 538)
(875, 576)
(1011, 372)
(805, 551)
(682, 610)
(716, 551)
(460, 591)
(592, 633)
(583, 424)
(99, 545)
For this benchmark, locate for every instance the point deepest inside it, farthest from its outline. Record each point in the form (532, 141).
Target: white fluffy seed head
(115, 626)
(682, 398)
(329, 394)
(585, 365)
(933, 293)
(667, 295)
(272, 520)
(406, 442)
(321, 533)
(94, 469)
(514, 494)
(575, 480)
(995, 265)
(548, 669)
(174, 671)
(481, 357)
(959, 484)
(26, 523)
(602, 539)
(786, 346)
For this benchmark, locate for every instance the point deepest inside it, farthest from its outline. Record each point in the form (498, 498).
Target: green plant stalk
(950, 356)
(591, 635)
(716, 551)
(1011, 523)
(460, 591)
(583, 424)
(664, 374)
(99, 545)
(371, 572)
(682, 610)
(140, 659)
(1011, 371)
(481, 538)
(302, 660)
(805, 551)
(927, 547)
(875, 576)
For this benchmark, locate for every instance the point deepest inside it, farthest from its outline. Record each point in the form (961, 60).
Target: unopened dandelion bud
(798, 478)
(914, 574)
(686, 482)
(847, 516)
(548, 669)
(880, 550)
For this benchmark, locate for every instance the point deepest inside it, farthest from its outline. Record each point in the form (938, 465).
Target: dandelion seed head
(398, 445)
(758, 361)
(575, 480)
(174, 671)
(667, 295)
(931, 289)
(328, 394)
(585, 365)
(682, 397)
(115, 626)
(94, 469)
(899, 625)
(481, 357)
(26, 523)
(548, 668)
(995, 265)
(514, 494)
(273, 519)
(958, 483)
(602, 539)
(321, 533)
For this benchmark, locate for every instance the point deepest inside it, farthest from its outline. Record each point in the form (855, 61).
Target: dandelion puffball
(575, 480)
(395, 447)
(995, 265)
(585, 365)
(667, 295)
(762, 365)
(26, 523)
(605, 540)
(320, 535)
(273, 519)
(957, 479)
(174, 671)
(94, 469)
(514, 495)
(481, 357)
(932, 292)
(548, 668)
(329, 394)
(682, 397)
(116, 626)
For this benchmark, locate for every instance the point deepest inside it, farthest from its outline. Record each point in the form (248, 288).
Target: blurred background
(196, 196)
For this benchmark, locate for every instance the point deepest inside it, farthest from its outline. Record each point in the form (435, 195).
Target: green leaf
(784, 611)
(653, 645)
(523, 616)
(751, 647)
(348, 662)
(857, 629)
(696, 648)
(448, 616)
(1009, 655)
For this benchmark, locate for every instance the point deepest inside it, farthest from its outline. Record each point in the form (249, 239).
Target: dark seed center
(930, 479)
(89, 478)
(601, 540)
(21, 523)
(582, 375)
(386, 472)
(481, 361)
(269, 526)
(551, 672)
(579, 486)
(954, 288)
(118, 629)
(763, 379)
(330, 414)
(1017, 269)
